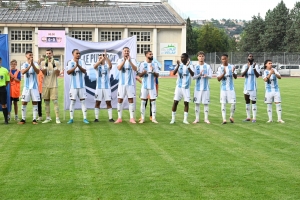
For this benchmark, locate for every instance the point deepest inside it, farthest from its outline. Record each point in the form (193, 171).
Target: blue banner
(4, 54)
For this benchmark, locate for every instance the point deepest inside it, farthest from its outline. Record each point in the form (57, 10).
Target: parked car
(287, 70)
(238, 68)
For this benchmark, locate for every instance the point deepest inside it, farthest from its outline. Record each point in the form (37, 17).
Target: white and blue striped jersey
(227, 81)
(126, 74)
(149, 78)
(30, 78)
(202, 83)
(103, 81)
(272, 84)
(183, 76)
(250, 77)
(77, 77)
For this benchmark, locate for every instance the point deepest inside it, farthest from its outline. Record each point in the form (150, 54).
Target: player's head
(224, 59)
(250, 58)
(149, 55)
(126, 51)
(201, 56)
(28, 54)
(184, 58)
(76, 53)
(268, 64)
(13, 64)
(49, 53)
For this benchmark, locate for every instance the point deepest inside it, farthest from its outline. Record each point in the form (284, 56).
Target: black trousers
(40, 106)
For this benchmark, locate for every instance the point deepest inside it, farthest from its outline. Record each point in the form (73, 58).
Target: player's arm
(98, 63)
(108, 62)
(141, 71)
(43, 68)
(155, 71)
(190, 70)
(35, 68)
(220, 74)
(255, 69)
(70, 69)
(133, 64)
(176, 68)
(267, 78)
(121, 64)
(57, 71)
(209, 73)
(277, 74)
(245, 70)
(25, 70)
(83, 70)
(18, 79)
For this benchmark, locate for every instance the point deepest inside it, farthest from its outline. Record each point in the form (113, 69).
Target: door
(168, 65)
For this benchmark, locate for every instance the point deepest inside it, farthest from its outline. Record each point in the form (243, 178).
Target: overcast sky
(228, 9)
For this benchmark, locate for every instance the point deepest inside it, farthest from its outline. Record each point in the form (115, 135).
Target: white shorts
(202, 96)
(30, 94)
(227, 96)
(252, 94)
(146, 92)
(126, 90)
(101, 94)
(77, 92)
(182, 93)
(271, 97)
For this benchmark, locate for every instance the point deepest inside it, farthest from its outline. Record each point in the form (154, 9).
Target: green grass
(157, 161)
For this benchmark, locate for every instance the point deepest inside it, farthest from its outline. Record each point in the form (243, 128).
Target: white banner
(168, 48)
(89, 54)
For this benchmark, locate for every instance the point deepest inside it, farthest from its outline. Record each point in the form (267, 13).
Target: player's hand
(233, 69)
(145, 72)
(188, 62)
(76, 63)
(225, 70)
(272, 71)
(128, 58)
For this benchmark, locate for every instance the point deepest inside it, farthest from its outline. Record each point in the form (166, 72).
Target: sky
(227, 9)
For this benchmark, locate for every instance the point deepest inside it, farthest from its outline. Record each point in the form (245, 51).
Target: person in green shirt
(4, 80)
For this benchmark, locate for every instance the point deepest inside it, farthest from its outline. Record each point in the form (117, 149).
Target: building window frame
(21, 35)
(84, 35)
(110, 35)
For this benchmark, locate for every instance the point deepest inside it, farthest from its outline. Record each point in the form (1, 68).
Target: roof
(153, 14)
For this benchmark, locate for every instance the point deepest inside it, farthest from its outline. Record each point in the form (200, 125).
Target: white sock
(97, 113)
(153, 104)
(269, 110)
(278, 109)
(109, 110)
(232, 109)
(131, 110)
(173, 115)
(34, 111)
(186, 116)
(24, 112)
(197, 111)
(83, 108)
(143, 109)
(223, 109)
(248, 107)
(72, 107)
(254, 110)
(206, 111)
(120, 109)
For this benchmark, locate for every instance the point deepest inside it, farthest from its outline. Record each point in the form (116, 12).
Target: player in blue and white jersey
(183, 84)
(30, 69)
(149, 71)
(103, 90)
(76, 70)
(251, 72)
(272, 94)
(226, 73)
(127, 68)
(202, 74)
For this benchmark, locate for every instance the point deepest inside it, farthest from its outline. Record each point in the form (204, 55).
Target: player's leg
(82, 97)
(153, 105)
(107, 96)
(131, 94)
(3, 101)
(248, 106)
(54, 98)
(25, 100)
(177, 98)
(186, 96)
(223, 101)
(98, 98)
(46, 97)
(72, 96)
(35, 96)
(254, 107)
(277, 100)
(39, 104)
(121, 95)
(205, 101)
(232, 101)
(16, 107)
(197, 98)
(144, 100)
(269, 101)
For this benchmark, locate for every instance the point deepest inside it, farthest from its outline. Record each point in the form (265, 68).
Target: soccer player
(15, 86)
(182, 89)
(225, 75)
(4, 81)
(148, 70)
(30, 91)
(272, 94)
(77, 70)
(202, 74)
(51, 70)
(103, 90)
(250, 71)
(127, 67)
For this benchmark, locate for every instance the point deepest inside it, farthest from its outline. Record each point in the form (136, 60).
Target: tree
(191, 38)
(292, 38)
(33, 4)
(275, 28)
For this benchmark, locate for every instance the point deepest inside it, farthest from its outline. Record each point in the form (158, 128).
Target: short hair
(50, 50)
(146, 52)
(224, 54)
(13, 60)
(74, 50)
(266, 61)
(27, 52)
(200, 53)
(185, 55)
(126, 48)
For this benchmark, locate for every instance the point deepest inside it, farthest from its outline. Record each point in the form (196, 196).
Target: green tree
(292, 38)
(275, 28)
(191, 38)
(33, 4)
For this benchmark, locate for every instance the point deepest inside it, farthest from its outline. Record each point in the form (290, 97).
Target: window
(21, 35)
(111, 35)
(20, 48)
(143, 47)
(292, 67)
(26, 47)
(82, 35)
(141, 36)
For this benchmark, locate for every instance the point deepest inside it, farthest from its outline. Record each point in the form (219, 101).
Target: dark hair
(200, 53)
(126, 48)
(224, 54)
(266, 61)
(27, 52)
(146, 52)
(185, 55)
(50, 50)
(101, 54)
(74, 50)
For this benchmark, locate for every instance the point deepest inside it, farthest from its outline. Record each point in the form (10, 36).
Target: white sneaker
(46, 121)
(58, 121)
(281, 121)
(16, 118)
(185, 122)
(172, 121)
(269, 121)
(154, 121)
(39, 119)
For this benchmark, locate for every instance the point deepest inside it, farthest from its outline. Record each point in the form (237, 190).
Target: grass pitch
(157, 161)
